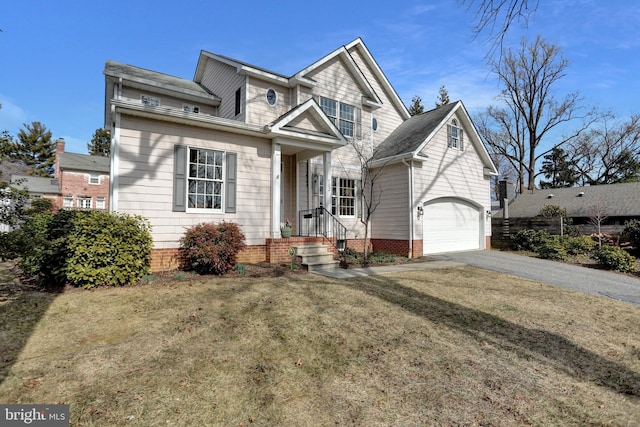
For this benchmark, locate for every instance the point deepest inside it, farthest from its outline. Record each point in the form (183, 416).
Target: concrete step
(316, 257)
(322, 266)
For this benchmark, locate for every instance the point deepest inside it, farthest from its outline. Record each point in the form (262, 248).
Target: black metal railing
(320, 222)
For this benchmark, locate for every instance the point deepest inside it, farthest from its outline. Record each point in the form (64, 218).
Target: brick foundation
(397, 247)
(276, 251)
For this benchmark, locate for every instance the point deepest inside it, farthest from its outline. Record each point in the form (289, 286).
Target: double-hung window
(205, 180)
(343, 196)
(455, 135)
(343, 115)
(84, 202)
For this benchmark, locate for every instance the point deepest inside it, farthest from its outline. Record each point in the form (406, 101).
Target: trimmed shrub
(209, 248)
(108, 250)
(551, 248)
(632, 231)
(529, 239)
(33, 239)
(579, 245)
(614, 258)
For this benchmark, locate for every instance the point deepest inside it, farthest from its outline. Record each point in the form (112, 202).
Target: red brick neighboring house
(81, 181)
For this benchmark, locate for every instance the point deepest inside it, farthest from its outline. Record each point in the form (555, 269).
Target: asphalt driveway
(596, 282)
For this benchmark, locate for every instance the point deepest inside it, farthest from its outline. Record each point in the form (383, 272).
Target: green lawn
(459, 346)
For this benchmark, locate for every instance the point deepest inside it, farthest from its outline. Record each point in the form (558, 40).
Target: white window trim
(221, 210)
(80, 202)
(337, 118)
(335, 196)
(95, 175)
(456, 143)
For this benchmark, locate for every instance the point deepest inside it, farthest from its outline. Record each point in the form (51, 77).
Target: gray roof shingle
(83, 162)
(616, 199)
(153, 78)
(408, 137)
(36, 184)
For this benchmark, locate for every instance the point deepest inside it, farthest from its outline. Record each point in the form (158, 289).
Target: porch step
(315, 257)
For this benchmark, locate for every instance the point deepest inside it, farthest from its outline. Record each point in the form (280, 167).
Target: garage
(451, 225)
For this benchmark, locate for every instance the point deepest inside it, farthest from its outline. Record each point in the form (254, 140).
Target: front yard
(458, 346)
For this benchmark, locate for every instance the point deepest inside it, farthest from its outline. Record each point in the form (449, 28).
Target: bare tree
(495, 18)
(531, 110)
(371, 192)
(609, 153)
(597, 215)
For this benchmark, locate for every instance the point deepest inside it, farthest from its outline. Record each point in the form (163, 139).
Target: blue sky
(53, 53)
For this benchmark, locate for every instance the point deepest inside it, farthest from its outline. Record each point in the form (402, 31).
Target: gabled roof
(343, 53)
(326, 129)
(83, 162)
(410, 138)
(36, 184)
(301, 77)
(616, 200)
(159, 82)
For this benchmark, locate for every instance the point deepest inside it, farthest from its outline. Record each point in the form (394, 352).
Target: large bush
(85, 248)
(614, 258)
(33, 240)
(579, 245)
(529, 240)
(209, 248)
(108, 250)
(551, 247)
(632, 231)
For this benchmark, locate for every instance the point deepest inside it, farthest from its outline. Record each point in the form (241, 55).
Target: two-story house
(81, 181)
(240, 143)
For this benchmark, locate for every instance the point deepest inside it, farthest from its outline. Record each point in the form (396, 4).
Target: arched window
(455, 136)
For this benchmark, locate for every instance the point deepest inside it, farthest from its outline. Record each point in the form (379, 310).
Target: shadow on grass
(540, 345)
(21, 308)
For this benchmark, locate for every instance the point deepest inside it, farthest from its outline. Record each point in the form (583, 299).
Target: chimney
(59, 150)
(506, 190)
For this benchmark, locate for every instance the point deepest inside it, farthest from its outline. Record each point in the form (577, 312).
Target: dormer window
(455, 135)
(343, 115)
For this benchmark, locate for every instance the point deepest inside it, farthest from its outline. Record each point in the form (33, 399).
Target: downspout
(114, 164)
(410, 177)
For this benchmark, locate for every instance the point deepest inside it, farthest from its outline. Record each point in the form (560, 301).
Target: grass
(459, 346)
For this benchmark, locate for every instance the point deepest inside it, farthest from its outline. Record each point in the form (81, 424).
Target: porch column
(276, 179)
(326, 160)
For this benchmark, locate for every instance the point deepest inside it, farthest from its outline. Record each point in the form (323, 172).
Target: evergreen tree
(416, 106)
(36, 149)
(100, 144)
(563, 172)
(443, 97)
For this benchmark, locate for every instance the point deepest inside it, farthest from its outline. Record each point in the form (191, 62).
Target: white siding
(451, 173)
(133, 95)
(391, 220)
(146, 178)
(259, 112)
(388, 116)
(223, 80)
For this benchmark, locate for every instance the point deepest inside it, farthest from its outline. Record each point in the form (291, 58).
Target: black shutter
(461, 139)
(179, 178)
(230, 183)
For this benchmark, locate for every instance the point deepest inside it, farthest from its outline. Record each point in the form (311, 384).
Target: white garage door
(450, 225)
